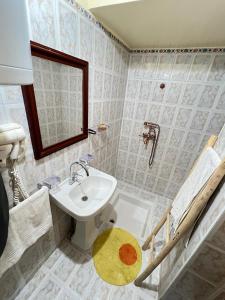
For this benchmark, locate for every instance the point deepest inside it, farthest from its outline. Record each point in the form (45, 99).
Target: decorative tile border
(89, 16)
(179, 50)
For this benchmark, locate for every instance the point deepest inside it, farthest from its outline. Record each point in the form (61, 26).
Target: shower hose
(19, 192)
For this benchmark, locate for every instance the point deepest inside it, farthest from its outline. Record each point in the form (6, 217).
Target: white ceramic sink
(85, 199)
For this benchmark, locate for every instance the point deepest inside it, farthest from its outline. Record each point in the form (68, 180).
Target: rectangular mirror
(57, 103)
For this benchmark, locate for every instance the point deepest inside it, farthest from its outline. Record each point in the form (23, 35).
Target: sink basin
(85, 199)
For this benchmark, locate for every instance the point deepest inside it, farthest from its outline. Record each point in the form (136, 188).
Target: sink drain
(84, 198)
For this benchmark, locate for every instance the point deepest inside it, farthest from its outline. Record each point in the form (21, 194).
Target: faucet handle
(74, 177)
(84, 162)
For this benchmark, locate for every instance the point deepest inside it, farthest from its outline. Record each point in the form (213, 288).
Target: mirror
(57, 103)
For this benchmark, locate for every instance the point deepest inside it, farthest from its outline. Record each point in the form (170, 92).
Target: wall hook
(152, 134)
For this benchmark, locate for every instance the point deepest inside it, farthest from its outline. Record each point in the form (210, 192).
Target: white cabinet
(15, 55)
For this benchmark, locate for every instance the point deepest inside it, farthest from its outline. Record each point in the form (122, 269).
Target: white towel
(28, 221)
(203, 169)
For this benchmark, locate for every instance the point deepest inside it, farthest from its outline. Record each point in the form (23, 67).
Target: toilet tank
(15, 55)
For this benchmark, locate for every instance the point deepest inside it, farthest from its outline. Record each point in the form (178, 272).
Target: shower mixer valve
(151, 134)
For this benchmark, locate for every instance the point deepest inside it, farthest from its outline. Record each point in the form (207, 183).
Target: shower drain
(84, 198)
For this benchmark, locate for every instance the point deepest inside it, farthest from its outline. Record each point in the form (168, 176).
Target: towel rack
(187, 223)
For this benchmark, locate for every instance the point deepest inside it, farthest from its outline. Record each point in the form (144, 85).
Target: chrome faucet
(74, 176)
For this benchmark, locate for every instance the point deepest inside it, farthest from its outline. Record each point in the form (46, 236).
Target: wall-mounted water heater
(15, 55)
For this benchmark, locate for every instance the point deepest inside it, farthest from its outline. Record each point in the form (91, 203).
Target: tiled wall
(63, 26)
(189, 109)
(108, 64)
(197, 272)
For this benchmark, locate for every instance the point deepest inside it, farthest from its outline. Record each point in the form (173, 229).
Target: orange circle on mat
(128, 254)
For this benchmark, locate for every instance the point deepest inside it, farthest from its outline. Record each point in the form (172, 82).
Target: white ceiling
(164, 23)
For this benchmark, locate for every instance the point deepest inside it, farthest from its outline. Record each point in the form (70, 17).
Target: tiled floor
(70, 274)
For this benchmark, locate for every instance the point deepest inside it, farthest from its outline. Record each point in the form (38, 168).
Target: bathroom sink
(84, 199)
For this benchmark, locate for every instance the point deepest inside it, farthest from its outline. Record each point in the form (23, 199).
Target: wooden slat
(211, 141)
(199, 202)
(168, 228)
(156, 230)
(151, 257)
(187, 223)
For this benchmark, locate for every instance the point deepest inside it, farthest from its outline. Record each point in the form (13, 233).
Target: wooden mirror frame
(44, 52)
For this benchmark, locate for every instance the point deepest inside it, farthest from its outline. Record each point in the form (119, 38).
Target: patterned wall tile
(145, 90)
(217, 72)
(208, 96)
(221, 101)
(68, 30)
(42, 19)
(200, 67)
(154, 112)
(188, 110)
(181, 67)
(183, 117)
(191, 94)
(99, 50)
(149, 66)
(217, 121)
(220, 144)
(165, 66)
(174, 93)
(132, 89)
(199, 120)
(86, 40)
(167, 115)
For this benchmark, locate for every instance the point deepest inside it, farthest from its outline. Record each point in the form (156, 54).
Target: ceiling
(163, 23)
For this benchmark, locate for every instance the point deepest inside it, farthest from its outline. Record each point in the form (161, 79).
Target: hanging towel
(4, 216)
(29, 220)
(203, 169)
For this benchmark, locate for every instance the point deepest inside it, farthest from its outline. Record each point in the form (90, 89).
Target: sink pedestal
(85, 234)
(87, 231)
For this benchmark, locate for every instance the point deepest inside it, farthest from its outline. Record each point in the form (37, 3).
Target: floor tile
(69, 274)
(32, 285)
(83, 278)
(48, 290)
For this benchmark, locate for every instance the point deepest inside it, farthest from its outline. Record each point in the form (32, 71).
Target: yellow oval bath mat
(117, 256)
